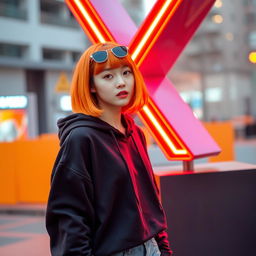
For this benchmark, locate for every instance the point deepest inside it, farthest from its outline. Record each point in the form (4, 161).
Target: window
(250, 2)
(250, 18)
(12, 50)
(75, 56)
(53, 55)
(56, 13)
(13, 9)
(252, 39)
(246, 2)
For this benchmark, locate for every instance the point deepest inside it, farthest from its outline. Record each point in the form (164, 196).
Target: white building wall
(53, 98)
(12, 82)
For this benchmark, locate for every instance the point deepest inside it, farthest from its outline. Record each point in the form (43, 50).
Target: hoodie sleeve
(163, 243)
(70, 212)
(162, 237)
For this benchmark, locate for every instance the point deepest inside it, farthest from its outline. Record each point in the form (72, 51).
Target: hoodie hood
(72, 121)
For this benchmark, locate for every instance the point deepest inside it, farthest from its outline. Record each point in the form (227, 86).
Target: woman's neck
(114, 119)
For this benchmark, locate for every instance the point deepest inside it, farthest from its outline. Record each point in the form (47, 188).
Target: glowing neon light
(150, 29)
(163, 134)
(13, 102)
(90, 21)
(252, 57)
(161, 130)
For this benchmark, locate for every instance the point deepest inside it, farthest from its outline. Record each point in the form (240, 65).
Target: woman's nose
(120, 82)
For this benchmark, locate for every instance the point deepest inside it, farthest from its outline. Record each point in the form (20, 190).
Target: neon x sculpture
(154, 47)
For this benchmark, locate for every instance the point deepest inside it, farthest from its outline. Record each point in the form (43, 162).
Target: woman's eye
(127, 72)
(107, 76)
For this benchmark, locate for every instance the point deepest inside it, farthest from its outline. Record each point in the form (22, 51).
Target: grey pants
(149, 248)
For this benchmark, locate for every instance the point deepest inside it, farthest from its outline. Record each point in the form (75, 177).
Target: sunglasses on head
(102, 56)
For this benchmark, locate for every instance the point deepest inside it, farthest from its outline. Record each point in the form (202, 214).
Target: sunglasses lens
(120, 51)
(100, 56)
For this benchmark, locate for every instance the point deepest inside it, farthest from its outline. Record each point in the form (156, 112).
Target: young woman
(104, 200)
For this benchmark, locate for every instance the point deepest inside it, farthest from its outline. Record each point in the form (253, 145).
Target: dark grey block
(211, 213)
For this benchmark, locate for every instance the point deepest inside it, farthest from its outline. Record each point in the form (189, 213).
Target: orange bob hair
(83, 101)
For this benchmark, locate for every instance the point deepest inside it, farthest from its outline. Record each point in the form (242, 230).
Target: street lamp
(252, 57)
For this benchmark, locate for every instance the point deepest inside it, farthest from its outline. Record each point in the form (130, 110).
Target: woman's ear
(92, 89)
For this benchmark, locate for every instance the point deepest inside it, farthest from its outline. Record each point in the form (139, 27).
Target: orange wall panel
(8, 178)
(223, 134)
(35, 160)
(25, 170)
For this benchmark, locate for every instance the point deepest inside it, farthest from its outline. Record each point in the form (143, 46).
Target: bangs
(112, 62)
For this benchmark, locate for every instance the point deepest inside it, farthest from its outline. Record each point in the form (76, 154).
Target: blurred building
(214, 74)
(40, 42)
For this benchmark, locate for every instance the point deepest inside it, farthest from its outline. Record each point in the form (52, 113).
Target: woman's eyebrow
(106, 69)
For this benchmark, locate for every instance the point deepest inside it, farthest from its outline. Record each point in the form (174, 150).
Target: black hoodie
(103, 196)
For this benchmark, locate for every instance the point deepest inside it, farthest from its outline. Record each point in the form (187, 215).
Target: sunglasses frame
(124, 48)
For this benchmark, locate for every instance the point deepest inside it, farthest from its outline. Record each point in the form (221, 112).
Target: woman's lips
(122, 94)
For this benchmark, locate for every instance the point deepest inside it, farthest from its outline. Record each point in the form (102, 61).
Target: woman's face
(113, 87)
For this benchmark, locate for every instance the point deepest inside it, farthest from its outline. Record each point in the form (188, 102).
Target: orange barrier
(25, 170)
(8, 181)
(25, 166)
(223, 134)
